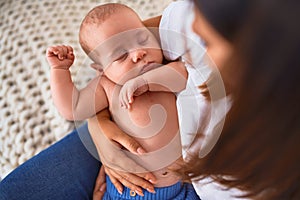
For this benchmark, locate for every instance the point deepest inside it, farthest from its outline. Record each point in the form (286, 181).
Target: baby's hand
(133, 87)
(60, 57)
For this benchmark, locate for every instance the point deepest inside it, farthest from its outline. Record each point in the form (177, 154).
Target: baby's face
(124, 47)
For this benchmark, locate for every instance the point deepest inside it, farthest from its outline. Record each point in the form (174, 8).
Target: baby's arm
(167, 78)
(72, 103)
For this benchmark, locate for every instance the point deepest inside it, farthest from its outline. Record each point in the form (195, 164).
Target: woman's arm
(152, 22)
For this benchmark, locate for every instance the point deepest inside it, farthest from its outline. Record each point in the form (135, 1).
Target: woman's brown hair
(259, 148)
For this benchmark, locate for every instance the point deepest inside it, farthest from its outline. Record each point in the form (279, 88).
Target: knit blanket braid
(29, 120)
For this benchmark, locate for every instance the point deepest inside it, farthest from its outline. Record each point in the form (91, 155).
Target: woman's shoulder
(175, 27)
(179, 6)
(175, 15)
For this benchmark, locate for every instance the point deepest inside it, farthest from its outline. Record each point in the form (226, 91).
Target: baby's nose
(138, 55)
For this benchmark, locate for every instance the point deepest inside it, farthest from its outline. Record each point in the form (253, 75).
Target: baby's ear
(97, 67)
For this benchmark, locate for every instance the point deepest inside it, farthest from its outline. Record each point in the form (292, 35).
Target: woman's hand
(100, 185)
(119, 166)
(101, 125)
(119, 178)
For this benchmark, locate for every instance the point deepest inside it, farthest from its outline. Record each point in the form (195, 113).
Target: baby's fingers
(70, 55)
(128, 99)
(130, 96)
(70, 49)
(64, 51)
(59, 52)
(51, 51)
(123, 99)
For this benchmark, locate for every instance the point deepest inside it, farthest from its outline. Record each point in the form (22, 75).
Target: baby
(131, 61)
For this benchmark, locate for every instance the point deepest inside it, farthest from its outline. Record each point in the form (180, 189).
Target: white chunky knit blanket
(29, 122)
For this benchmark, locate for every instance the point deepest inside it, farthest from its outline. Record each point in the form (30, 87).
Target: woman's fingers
(113, 178)
(134, 182)
(128, 143)
(113, 132)
(130, 185)
(111, 154)
(100, 185)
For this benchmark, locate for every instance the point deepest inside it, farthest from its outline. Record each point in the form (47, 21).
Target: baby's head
(114, 37)
(101, 19)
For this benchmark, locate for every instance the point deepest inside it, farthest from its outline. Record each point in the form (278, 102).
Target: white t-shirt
(179, 41)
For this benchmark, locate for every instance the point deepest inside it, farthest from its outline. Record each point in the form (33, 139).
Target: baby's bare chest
(149, 112)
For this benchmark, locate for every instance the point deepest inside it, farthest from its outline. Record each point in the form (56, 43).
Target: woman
(259, 146)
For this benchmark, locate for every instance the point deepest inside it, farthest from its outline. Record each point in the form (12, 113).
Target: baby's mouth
(149, 66)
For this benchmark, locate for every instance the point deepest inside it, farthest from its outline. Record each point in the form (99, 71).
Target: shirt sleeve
(176, 31)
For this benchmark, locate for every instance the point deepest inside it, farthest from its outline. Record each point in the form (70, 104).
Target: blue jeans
(65, 170)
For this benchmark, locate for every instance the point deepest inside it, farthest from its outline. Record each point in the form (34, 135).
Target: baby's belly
(165, 178)
(152, 119)
(153, 122)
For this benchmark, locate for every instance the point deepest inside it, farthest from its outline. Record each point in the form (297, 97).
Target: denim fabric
(65, 170)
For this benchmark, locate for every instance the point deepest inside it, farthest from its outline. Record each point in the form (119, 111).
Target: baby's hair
(96, 16)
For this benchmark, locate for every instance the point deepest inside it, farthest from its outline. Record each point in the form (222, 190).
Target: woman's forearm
(152, 22)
